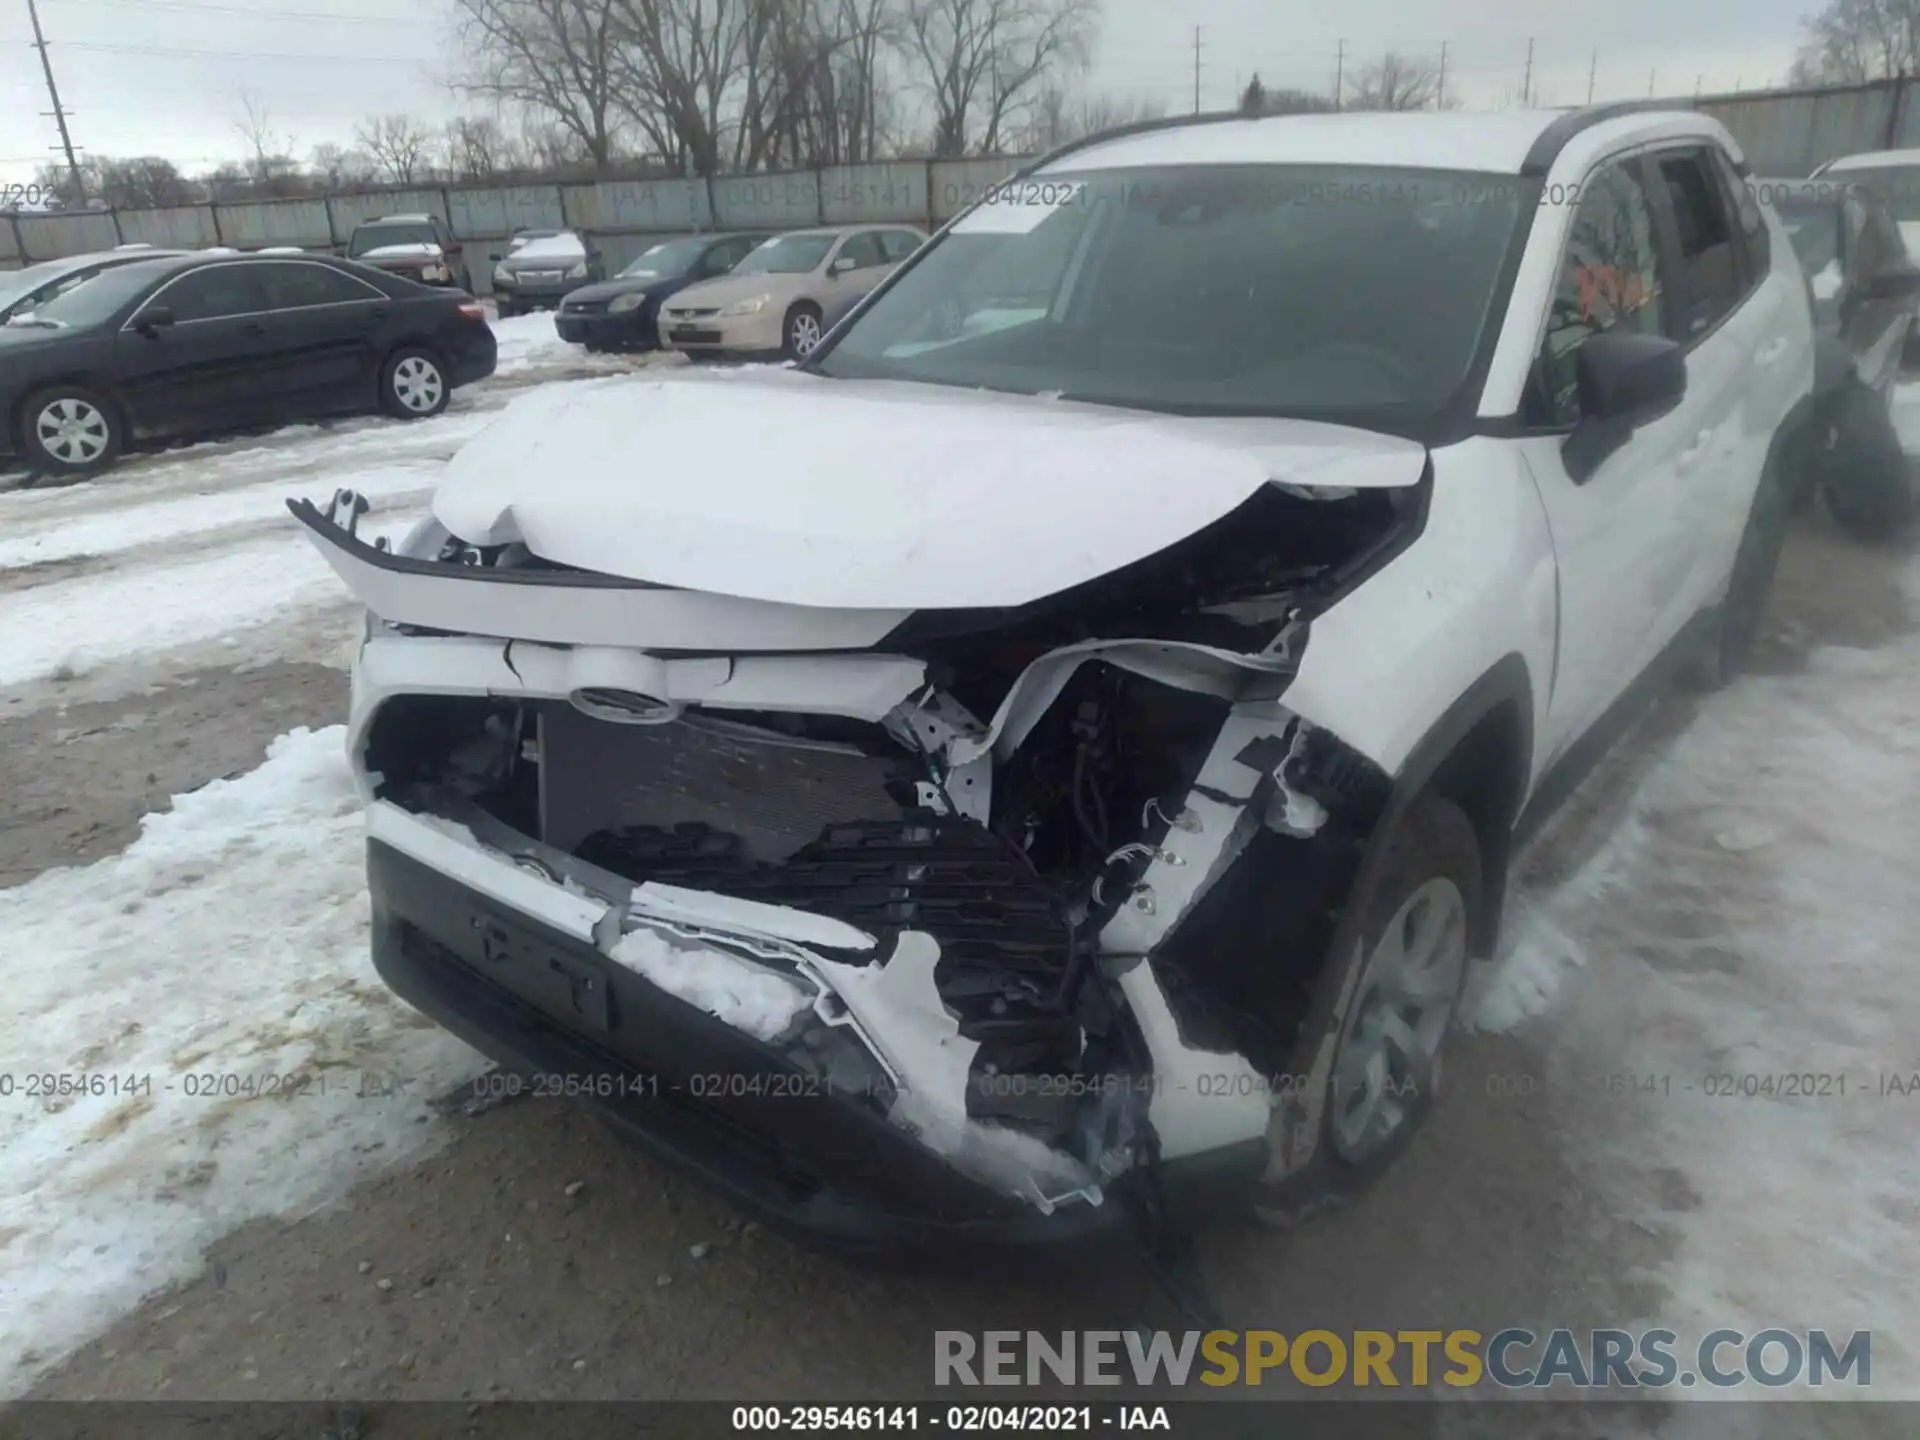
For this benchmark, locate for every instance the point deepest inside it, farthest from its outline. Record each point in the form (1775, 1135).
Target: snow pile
(548, 252)
(216, 972)
(728, 988)
(526, 341)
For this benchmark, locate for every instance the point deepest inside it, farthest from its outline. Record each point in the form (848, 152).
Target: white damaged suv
(1057, 749)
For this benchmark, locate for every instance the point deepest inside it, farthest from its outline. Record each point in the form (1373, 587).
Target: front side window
(1706, 241)
(863, 250)
(898, 244)
(1610, 280)
(1349, 293)
(1898, 186)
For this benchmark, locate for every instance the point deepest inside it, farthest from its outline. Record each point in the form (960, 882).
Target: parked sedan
(774, 301)
(196, 343)
(541, 271)
(623, 313)
(22, 290)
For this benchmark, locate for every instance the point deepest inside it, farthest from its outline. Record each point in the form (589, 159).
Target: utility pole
(1196, 69)
(53, 93)
(1440, 91)
(1696, 85)
(1593, 67)
(1526, 85)
(1650, 74)
(1339, 71)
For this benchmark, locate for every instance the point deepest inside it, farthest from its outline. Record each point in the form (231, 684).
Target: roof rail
(1136, 127)
(1551, 141)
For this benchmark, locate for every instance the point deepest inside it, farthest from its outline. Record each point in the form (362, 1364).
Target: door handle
(380, 312)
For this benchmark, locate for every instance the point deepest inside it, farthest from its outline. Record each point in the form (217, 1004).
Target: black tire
(1736, 624)
(794, 335)
(1433, 848)
(1864, 475)
(414, 384)
(70, 430)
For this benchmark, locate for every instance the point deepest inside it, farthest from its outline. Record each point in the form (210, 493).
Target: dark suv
(420, 247)
(1861, 285)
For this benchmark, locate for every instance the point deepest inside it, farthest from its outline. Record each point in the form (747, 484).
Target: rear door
(322, 328)
(202, 371)
(1737, 342)
(1615, 531)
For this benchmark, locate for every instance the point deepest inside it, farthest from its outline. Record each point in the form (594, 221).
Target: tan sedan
(772, 301)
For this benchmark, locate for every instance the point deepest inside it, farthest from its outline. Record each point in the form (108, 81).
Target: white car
(1056, 750)
(777, 300)
(1893, 175)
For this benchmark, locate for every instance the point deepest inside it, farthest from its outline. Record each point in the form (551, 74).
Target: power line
(53, 93)
(196, 7)
(181, 52)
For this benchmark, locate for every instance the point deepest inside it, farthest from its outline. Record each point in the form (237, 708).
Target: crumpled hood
(782, 486)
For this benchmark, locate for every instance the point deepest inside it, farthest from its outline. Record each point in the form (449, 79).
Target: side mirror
(1624, 381)
(841, 265)
(1900, 283)
(157, 317)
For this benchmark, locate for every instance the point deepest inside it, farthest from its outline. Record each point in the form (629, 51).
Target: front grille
(693, 312)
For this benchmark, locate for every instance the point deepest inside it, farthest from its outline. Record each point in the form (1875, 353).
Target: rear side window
(1750, 224)
(1610, 279)
(292, 287)
(1705, 234)
(898, 244)
(214, 293)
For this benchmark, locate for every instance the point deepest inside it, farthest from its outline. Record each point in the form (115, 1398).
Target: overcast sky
(168, 77)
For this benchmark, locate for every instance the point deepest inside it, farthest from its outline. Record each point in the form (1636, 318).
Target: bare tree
(478, 148)
(1854, 41)
(400, 145)
(270, 166)
(339, 168)
(1395, 82)
(554, 59)
(981, 61)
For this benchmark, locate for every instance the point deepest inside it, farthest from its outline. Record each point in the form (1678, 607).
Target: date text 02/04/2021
(960, 1419)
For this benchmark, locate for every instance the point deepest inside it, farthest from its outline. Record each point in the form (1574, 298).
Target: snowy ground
(212, 980)
(1746, 917)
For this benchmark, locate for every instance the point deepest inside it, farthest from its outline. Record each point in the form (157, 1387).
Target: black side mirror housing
(1624, 381)
(156, 318)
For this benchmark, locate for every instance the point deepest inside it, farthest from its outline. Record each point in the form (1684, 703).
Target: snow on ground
(217, 973)
(1743, 944)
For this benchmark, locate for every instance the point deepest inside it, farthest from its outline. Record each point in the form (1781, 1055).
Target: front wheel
(412, 384)
(1412, 961)
(69, 430)
(803, 331)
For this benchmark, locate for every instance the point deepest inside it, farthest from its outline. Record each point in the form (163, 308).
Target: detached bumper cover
(714, 1101)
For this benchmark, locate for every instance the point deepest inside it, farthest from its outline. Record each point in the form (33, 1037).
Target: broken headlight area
(995, 878)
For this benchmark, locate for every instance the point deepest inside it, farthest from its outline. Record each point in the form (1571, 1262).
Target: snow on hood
(418, 250)
(548, 248)
(786, 487)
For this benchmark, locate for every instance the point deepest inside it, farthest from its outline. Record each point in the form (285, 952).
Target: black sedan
(622, 313)
(198, 343)
(1861, 286)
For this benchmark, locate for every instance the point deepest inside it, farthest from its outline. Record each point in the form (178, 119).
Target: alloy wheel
(72, 431)
(805, 331)
(1390, 1049)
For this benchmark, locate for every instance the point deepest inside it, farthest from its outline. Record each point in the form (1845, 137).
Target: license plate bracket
(572, 989)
